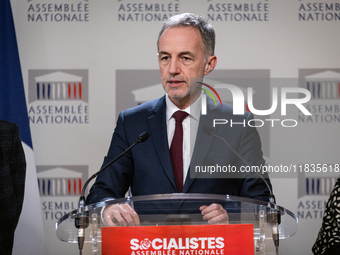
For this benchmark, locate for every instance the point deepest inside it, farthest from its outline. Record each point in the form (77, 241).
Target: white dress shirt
(190, 126)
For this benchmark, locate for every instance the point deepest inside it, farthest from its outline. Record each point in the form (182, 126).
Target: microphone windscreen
(143, 137)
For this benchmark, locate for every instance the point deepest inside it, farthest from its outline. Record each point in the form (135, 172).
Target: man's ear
(210, 64)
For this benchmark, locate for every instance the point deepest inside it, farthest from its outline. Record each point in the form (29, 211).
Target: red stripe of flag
(69, 91)
(75, 91)
(75, 186)
(80, 186)
(79, 90)
(69, 187)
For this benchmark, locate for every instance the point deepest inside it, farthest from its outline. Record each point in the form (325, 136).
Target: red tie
(176, 149)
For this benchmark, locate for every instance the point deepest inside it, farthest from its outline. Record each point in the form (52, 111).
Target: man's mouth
(174, 83)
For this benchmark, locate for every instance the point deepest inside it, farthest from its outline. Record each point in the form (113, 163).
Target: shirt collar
(193, 110)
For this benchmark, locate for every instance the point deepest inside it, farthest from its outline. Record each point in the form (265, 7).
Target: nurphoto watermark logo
(204, 98)
(295, 96)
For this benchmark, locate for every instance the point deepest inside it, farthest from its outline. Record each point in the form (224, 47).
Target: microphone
(82, 220)
(272, 217)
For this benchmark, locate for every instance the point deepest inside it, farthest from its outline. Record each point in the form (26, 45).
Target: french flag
(29, 235)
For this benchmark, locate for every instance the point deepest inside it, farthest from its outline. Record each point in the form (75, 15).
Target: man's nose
(174, 67)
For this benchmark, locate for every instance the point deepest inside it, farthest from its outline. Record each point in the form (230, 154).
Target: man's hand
(122, 215)
(214, 214)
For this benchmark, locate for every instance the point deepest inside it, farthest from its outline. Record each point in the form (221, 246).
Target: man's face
(181, 58)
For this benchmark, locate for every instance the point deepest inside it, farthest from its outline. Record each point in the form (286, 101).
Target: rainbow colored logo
(209, 93)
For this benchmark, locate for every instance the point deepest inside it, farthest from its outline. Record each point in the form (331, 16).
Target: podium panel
(179, 240)
(269, 222)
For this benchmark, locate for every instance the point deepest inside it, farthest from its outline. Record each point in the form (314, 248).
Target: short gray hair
(207, 31)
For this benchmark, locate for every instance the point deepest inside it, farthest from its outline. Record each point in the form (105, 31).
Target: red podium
(171, 224)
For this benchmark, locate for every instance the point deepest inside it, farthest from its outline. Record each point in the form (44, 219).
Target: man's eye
(186, 58)
(165, 58)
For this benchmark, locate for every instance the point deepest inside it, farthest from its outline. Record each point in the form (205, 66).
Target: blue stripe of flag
(12, 95)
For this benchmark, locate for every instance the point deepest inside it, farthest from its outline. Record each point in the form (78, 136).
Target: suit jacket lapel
(157, 122)
(202, 144)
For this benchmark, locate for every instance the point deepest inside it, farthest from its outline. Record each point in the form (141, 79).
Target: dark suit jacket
(12, 183)
(148, 170)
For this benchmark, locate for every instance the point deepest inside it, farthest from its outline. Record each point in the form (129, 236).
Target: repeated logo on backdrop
(58, 11)
(60, 188)
(58, 96)
(238, 11)
(324, 85)
(61, 180)
(322, 10)
(139, 11)
(313, 192)
(315, 186)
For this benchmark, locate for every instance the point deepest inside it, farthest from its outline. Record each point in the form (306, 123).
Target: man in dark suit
(185, 55)
(12, 183)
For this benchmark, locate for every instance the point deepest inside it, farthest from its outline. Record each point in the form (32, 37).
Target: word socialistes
(177, 244)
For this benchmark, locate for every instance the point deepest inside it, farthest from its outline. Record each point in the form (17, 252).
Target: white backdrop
(81, 60)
